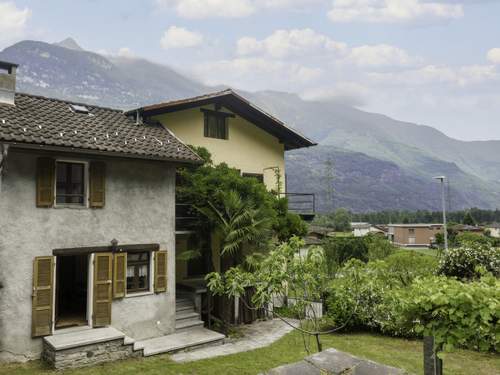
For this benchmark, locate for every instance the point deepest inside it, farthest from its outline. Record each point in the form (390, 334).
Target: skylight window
(79, 108)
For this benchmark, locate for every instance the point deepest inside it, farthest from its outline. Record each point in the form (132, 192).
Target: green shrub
(467, 237)
(407, 265)
(338, 250)
(378, 247)
(463, 262)
(457, 314)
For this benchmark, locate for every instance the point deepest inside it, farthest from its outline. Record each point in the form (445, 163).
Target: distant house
(418, 235)
(463, 228)
(362, 229)
(494, 230)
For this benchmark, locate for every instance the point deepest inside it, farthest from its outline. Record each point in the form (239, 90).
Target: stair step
(183, 309)
(188, 339)
(79, 338)
(183, 325)
(187, 315)
(183, 300)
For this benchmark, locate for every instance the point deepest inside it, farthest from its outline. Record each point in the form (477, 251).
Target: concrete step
(183, 309)
(188, 339)
(186, 316)
(183, 325)
(75, 339)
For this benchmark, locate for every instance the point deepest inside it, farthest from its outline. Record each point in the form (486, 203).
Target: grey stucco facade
(139, 209)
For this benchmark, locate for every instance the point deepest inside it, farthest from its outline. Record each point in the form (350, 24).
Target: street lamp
(442, 178)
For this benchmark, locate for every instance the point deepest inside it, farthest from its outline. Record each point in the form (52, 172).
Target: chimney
(7, 82)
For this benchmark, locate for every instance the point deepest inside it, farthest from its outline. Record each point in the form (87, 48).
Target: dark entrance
(71, 290)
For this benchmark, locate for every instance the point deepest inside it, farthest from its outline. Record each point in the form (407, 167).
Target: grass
(421, 250)
(396, 352)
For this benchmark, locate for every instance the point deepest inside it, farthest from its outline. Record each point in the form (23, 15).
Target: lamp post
(443, 199)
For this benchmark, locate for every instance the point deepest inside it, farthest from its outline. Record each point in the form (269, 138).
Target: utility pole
(443, 201)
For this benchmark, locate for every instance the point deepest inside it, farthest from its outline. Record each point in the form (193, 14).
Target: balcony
(303, 204)
(186, 218)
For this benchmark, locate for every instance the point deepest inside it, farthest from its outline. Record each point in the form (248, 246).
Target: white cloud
(380, 55)
(179, 37)
(198, 9)
(13, 21)
(348, 93)
(494, 55)
(125, 52)
(284, 43)
(389, 11)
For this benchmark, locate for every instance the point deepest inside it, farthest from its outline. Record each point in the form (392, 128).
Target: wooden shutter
(160, 271)
(103, 266)
(43, 286)
(97, 183)
(120, 275)
(45, 179)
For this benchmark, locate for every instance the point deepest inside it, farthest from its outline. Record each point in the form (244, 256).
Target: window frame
(150, 276)
(219, 116)
(258, 176)
(86, 186)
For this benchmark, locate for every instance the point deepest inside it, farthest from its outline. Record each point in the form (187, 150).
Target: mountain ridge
(415, 152)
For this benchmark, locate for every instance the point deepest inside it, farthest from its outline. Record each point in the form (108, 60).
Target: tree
(468, 219)
(342, 220)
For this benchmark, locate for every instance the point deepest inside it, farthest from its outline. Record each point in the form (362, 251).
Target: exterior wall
(249, 148)
(140, 208)
(360, 232)
(494, 232)
(423, 235)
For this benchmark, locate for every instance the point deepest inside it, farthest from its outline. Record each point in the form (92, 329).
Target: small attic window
(79, 108)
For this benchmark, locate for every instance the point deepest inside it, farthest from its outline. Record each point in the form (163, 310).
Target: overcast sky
(434, 62)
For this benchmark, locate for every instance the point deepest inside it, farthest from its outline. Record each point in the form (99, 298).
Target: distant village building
(417, 235)
(362, 229)
(493, 229)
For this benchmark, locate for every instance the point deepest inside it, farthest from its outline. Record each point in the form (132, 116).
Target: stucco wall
(422, 235)
(248, 148)
(140, 208)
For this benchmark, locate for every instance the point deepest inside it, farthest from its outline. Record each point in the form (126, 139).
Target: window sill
(139, 294)
(61, 206)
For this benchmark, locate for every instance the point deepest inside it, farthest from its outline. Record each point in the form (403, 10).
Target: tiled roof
(36, 120)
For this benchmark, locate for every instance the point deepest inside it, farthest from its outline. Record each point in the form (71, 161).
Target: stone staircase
(186, 316)
(85, 346)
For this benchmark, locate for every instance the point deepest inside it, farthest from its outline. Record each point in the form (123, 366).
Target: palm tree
(238, 222)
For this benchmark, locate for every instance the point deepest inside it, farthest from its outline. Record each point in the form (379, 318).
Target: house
(494, 230)
(87, 222)
(239, 134)
(414, 235)
(88, 219)
(360, 229)
(464, 228)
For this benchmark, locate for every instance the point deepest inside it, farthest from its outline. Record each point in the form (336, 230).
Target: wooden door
(102, 291)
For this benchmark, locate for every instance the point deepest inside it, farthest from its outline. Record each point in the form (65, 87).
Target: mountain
(367, 161)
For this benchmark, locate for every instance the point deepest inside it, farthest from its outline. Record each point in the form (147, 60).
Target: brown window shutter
(160, 271)
(43, 286)
(45, 179)
(103, 267)
(97, 182)
(120, 275)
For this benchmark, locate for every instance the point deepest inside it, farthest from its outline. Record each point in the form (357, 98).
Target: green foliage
(287, 224)
(474, 238)
(457, 314)
(378, 247)
(238, 222)
(468, 219)
(466, 261)
(339, 220)
(338, 250)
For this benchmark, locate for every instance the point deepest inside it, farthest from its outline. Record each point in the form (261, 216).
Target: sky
(432, 62)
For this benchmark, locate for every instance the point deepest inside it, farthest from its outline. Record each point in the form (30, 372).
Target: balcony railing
(186, 217)
(303, 204)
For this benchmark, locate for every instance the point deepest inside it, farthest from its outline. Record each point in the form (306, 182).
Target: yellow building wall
(249, 148)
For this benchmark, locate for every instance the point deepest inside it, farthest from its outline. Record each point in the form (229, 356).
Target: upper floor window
(216, 124)
(70, 183)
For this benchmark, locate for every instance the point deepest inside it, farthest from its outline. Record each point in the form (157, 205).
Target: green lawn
(395, 352)
(422, 250)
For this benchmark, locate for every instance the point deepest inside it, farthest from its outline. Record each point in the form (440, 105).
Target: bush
(338, 250)
(457, 314)
(408, 265)
(464, 238)
(464, 261)
(378, 247)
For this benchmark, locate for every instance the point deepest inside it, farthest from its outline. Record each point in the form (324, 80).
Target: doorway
(71, 291)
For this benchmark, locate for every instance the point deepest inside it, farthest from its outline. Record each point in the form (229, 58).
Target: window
(216, 125)
(70, 183)
(258, 176)
(138, 272)
(411, 231)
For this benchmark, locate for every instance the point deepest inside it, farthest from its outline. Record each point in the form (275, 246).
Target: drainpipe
(4, 150)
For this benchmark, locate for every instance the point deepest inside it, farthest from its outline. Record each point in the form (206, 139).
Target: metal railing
(186, 217)
(301, 203)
